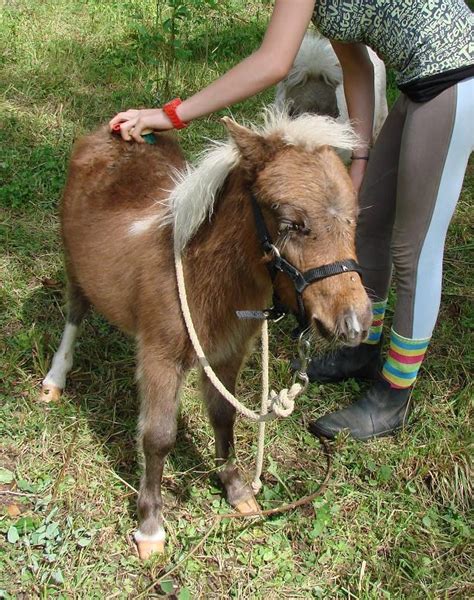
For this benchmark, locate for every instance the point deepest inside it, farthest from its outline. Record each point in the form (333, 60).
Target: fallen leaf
(13, 510)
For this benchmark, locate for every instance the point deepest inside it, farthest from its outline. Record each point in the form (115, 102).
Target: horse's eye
(288, 226)
(300, 228)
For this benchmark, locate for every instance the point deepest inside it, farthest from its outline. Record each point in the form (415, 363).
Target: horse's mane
(192, 199)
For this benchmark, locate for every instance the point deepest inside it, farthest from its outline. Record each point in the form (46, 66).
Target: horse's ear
(254, 148)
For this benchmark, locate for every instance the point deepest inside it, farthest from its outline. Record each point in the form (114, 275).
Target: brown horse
(125, 208)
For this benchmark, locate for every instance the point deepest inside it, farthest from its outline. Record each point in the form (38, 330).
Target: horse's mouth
(338, 337)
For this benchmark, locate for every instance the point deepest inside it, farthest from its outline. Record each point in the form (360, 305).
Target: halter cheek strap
(300, 280)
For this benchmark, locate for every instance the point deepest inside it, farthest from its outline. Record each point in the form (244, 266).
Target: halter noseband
(300, 280)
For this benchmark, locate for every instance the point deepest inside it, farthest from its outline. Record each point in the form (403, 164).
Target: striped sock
(404, 360)
(375, 331)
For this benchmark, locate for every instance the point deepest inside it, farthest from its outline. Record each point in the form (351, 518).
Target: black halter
(300, 280)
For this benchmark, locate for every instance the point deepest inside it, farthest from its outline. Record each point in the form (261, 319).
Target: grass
(394, 522)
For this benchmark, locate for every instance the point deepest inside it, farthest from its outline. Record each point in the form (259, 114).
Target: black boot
(380, 411)
(363, 362)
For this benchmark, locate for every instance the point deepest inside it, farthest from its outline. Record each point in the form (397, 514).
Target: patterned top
(418, 38)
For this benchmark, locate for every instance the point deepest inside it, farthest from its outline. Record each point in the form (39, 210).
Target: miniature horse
(125, 208)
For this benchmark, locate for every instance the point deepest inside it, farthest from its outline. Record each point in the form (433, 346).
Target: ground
(393, 522)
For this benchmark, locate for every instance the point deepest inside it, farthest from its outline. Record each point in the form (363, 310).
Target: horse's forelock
(315, 58)
(192, 199)
(309, 131)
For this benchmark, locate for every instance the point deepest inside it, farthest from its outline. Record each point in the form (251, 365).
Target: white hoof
(146, 549)
(150, 544)
(50, 393)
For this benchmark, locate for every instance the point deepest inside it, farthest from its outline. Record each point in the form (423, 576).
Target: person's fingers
(123, 116)
(126, 128)
(136, 131)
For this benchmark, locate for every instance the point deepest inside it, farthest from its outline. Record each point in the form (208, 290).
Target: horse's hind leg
(55, 380)
(159, 382)
(222, 417)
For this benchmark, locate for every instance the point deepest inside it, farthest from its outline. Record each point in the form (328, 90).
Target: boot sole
(331, 435)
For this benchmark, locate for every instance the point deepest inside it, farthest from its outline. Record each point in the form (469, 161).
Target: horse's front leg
(159, 383)
(222, 418)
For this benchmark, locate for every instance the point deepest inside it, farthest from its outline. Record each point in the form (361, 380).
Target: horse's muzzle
(351, 329)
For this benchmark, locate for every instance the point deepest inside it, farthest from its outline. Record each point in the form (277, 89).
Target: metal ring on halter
(304, 351)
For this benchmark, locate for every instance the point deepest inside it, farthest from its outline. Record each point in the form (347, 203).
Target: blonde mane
(192, 199)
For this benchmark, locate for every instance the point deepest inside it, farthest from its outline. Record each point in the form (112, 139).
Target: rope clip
(304, 352)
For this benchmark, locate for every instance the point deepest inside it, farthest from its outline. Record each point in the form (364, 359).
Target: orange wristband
(170, 111)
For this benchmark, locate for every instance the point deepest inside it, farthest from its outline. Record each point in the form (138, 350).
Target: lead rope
(257, 482)
(273, 405)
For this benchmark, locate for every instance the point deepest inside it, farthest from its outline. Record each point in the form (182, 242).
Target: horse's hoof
(146, 549)
(249, 505)
(50, 393)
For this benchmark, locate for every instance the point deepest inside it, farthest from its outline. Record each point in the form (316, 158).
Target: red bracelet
(170, 111)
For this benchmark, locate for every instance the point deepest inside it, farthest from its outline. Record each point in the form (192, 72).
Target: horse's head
(310, 209)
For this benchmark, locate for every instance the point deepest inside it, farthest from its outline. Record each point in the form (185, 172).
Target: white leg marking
(62, 361)
(159, 536)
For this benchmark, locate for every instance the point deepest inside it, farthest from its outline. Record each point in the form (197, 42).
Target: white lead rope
(273, 405)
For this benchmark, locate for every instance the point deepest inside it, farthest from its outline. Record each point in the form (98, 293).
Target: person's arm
(265, 67)
(358, 76)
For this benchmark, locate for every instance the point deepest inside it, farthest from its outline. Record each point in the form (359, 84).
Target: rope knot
(283, 404)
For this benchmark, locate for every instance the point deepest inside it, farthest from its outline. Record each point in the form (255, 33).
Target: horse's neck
(224, 260)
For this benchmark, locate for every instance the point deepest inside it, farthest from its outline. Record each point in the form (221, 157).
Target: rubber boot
(380, 411)
(362, 362)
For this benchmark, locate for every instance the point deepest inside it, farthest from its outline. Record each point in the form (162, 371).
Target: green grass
(394, 522)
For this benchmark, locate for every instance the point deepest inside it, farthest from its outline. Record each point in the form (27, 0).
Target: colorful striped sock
(404, 360)
(375, 331)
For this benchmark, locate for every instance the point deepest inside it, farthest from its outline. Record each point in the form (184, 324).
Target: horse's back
(107, 173)
(114, 196)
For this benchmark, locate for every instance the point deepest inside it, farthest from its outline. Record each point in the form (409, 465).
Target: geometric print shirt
(417, 38)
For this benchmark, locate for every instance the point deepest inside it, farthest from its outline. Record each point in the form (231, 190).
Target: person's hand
(132, 122)
(357, 172)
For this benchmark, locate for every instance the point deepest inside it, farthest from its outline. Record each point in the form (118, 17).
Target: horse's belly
(105, 264)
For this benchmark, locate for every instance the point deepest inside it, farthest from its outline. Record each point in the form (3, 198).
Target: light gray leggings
(410, 190)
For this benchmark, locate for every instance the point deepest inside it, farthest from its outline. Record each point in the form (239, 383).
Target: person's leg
(374, 231)
(436, 143)
(377, 203)
(427, 200)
